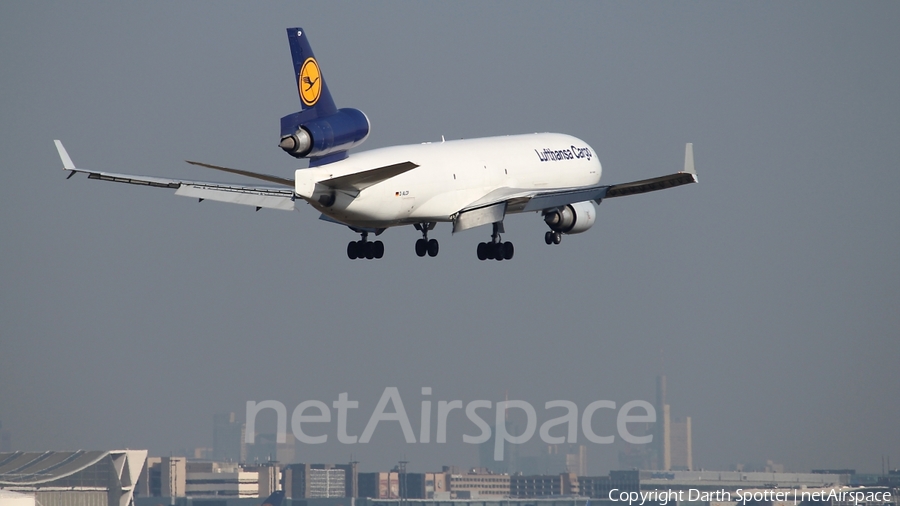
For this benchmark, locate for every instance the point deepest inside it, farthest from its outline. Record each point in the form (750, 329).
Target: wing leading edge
(257, 196)
(525, 201)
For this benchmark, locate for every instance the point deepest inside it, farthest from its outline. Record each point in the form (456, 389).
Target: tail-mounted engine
(572, 218)
(318, 137)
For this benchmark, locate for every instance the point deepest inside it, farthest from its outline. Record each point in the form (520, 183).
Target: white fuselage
(453, 175)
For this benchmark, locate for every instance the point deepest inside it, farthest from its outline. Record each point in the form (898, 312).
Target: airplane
(468, 183)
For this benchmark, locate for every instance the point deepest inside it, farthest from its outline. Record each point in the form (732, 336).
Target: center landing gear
(365, 249)
(496, 249)
(425, 245)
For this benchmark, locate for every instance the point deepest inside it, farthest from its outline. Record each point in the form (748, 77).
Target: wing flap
(478, 217)
(548, 199)
(129, 179)
(272, 199)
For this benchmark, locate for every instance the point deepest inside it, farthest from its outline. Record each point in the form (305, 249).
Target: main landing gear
(425, 245)
(553, 237)
(496, 249)
(365, 249)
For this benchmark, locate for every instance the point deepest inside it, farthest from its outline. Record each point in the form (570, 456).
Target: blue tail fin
(311, 85)
(319, 131)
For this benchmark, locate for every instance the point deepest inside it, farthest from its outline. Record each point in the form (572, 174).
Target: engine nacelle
(340, 131)
(572, 218)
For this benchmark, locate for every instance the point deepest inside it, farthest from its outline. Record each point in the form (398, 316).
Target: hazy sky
(768, 293)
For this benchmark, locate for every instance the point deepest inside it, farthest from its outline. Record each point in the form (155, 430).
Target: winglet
(689, 159)
(64, 156)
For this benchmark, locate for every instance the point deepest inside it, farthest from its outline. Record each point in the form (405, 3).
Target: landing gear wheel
(496, 249)
(508, 250)
(363, 248)
(548, 237)
(557, 237)
(490, 250)
(482, 251)
(426, 246)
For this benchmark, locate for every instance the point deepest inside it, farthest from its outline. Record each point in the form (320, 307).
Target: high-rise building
(173, 476)
(576, 460)
(266, 448)
(510, 462)
(638, 456)
(228, 439)
(680, 457)
(661, 434)
(672, 438)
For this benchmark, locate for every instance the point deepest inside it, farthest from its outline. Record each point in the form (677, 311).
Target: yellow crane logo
(310, 82)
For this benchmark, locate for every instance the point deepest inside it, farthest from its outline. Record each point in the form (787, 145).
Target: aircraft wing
(496, 204)
(257, 196)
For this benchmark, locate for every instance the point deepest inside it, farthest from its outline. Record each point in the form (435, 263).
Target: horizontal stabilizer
(360, 180)
(256, 175)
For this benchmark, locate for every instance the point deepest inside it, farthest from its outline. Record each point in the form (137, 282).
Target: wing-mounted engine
(317, 137)
(572, 218)
(568, 219)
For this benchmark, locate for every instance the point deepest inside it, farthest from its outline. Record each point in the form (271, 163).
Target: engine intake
(340, 131)
(571, 219)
